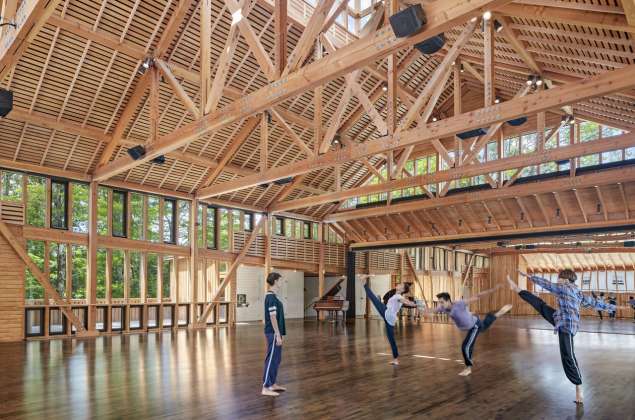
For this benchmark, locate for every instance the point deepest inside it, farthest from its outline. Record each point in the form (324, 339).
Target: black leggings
(567, 355)
(390, 329)
(467, 348)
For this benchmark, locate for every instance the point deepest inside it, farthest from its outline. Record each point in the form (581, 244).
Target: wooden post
(194, 258)
(205, 48)
(280, 24)
(488, 35)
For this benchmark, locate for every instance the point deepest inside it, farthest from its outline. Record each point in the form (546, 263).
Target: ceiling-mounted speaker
(408, 21)
(516, 122)
(159, 160)
(431, 45)
(629, 244)
(137, 152)
(472, 133)
(6, 102)
(283, 181)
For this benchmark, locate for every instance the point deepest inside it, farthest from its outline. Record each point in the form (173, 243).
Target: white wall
(380, 284)
(250, 281)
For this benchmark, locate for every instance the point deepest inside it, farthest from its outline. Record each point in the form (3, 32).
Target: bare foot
(513, 285)
(466, 372)
(278, 388)
(269, 392)
(502, 311)
(395, 362)
(578, 395)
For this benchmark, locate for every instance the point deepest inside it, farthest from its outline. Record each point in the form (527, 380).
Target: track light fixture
(534, 81)
(269, 118)
(435, 119)
(568, 119)
(384, 87)
(337, 141)
(146, 65)
(498, 26)
(462, 70)
(487, 15)
(497, 100)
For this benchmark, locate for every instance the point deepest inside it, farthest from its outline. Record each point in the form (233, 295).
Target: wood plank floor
(331, 371)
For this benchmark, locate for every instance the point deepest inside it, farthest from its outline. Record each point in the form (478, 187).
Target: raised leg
(539, 305)
(378, 304)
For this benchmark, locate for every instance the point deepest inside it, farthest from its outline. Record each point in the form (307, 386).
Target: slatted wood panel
(12, 212)
(257, 248)
(11, 291)
(383, 261)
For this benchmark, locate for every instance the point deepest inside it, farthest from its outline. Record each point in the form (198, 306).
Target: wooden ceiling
(77, 85)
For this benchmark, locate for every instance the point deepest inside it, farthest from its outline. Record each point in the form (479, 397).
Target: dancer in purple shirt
(466, 321)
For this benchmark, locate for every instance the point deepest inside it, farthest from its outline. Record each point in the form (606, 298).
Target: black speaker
(472, 133)
(629, 244)
(159, 160)
(137, 152)
(350, 284)
(408, 22)
(431, 45)
(283, 181)
(516, 122)
(6, 102)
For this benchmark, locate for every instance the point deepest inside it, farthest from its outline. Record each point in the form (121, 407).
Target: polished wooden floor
(331, 371)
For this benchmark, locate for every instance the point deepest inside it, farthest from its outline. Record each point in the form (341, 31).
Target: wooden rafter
(177, 88)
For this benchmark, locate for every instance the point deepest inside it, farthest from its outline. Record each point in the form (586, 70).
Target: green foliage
(166, 276)
(183, 222)
(589, 131)
(152, 262)
(80, 265)
(80, 194)
(11, 186)
(168, 221)
(33, 288)
(136, 216)
(59, 194)
(57, 267)
(102, 211)
(36, 201)
(223, 229)
(135, 275)
(117, 284)
(153, 219)
(102, 257)
(118, 213)
(211, 227)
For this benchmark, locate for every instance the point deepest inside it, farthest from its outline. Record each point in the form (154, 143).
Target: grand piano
(332, 303)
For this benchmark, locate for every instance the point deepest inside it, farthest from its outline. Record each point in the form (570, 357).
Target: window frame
(211, 210)
(173, 232)
(248, 221)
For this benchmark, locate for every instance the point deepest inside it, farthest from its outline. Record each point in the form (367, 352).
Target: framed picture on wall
(241, 300)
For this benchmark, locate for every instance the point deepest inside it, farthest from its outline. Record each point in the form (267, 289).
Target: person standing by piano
(389, 312)
(274, 330)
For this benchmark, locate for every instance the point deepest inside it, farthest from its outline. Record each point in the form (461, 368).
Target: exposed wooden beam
(577, 197)
(310, 33)
(205, 47)
(561, 153)
(441, 16)
(231, 272)
(292, 134)
(249, 126)
(178, 89)
(563, 210)
(488, 61)
(593, 19)
(51, 292)
(255, 46)
(280, 29)
(605, 211)
(518, 45)
(624, 200)
(605, 177)
(29, 18)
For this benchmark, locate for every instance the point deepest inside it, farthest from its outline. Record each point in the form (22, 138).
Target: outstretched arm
(544, 283)
(595, 303)
(481, 294)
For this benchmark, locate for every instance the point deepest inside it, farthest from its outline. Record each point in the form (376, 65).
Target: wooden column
(267, 233)
(194, 258)
(488, 56)
(280, 24)
(205, 48)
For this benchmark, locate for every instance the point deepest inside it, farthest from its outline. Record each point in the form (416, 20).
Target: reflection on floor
(331, 370)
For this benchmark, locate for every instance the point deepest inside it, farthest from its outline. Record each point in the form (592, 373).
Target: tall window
(79, 254)
(135, 275)
(248, 223)
(136, 216)
(169, 213)
(116, 280)
(80, 194)
(306, 230)
(200, 215)
(57, 267)
(102, 258)
(211, 227)
(151, 275)
(183, 217)
(154, 224)
(102, 211)
(236, 227)
(36, 201)
(59, 200)
(166, 277)
(119, 207)
(288, 228)
(11, 184)
(33, 288)
(278, 226)
(223, 231)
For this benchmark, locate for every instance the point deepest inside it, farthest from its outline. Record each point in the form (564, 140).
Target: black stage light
(6, 102)
(137, 152)
(408, 21)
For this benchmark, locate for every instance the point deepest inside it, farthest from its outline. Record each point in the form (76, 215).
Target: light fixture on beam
(487, 15)
(384, 87)
(568, 119)
(462, 70)
(337, 141)
(435, 119)
(146, 65)
(534, 81)
(497, 100)
(498, 26)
